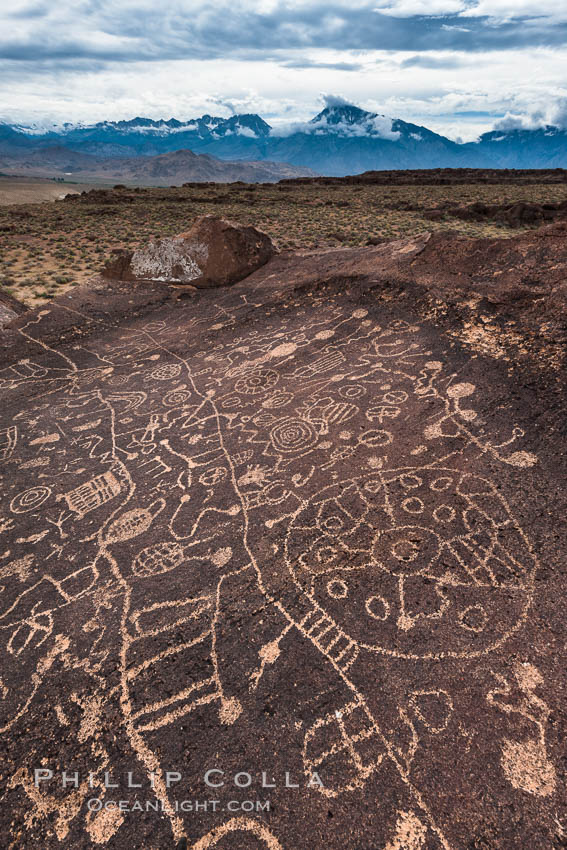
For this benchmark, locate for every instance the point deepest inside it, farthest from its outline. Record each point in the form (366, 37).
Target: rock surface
(307, 525)
(214, 252)
(9, 309)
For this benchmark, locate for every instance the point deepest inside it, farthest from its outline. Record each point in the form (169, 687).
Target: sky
(459, 67)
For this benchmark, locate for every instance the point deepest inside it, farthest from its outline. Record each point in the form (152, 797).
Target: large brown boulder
(214, 252)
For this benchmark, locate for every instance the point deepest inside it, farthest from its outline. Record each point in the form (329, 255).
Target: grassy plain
(46, 248)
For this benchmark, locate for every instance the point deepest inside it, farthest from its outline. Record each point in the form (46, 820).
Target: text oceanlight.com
(95, 804)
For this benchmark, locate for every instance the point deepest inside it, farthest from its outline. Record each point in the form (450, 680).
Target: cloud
(141, 30)
(332, 100)
(382, 126)
(245, 131)
(520, 122)
(558, 113)
(332, 66)
(518, 10)
(427, 61)
(555, 115)
(423, 8)
(95, 59)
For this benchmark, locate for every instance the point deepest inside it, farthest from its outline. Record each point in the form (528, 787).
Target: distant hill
(443, 177)
(340, 140)
(169, 169)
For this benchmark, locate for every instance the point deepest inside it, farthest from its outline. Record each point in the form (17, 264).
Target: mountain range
(342, 139)
(168, 169)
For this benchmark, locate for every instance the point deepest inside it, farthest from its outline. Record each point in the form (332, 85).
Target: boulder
(214, 252)
(10, 308)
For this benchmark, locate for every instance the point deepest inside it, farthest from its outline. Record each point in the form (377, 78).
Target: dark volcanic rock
(306, 526)
(440, 177)
(518, 214)
(214, 252)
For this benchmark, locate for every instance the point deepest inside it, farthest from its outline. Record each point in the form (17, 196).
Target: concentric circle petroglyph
(29, 500)
(176, 397)
(293, 435)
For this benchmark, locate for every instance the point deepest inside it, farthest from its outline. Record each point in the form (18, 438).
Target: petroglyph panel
(299, 533)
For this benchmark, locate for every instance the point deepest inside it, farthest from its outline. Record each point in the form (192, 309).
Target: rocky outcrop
(519, 214)
(213, 253)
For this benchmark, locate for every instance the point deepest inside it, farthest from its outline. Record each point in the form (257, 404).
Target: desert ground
(26, 190)
(47, 248)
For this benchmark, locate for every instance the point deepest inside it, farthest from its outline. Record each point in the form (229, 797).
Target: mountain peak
(344, 113)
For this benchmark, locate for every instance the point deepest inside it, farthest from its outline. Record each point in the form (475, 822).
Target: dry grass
(47, 248)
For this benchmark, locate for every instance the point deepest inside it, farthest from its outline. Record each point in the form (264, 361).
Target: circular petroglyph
(473, 618)
(118, 380)
(259, 381)
(166, 372)
(444, 513)
(293, 435)
(395, 397)
(29, 500)
(413, 505)
(460, 390)
(455, 580)
(376, 438)
(442, 483)
(352, 391)
(377, 608)
(337, 588)
(407, 549)
(176, 397)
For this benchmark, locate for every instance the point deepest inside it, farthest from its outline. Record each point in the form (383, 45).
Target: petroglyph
(525, 762)
(312, 508)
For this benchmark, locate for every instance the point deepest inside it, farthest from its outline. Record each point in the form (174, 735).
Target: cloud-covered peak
(341, 118)
(555, 115)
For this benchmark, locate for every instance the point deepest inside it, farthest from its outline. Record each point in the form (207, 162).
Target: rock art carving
(339, 477)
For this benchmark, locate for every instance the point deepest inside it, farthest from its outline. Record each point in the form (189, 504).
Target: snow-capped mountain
(545, 147)
(342, 139)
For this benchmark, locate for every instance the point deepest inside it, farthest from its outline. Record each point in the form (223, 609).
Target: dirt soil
(309, 526)
(26, 190)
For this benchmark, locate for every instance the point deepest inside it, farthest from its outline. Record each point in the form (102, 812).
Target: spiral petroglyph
(293, 435)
